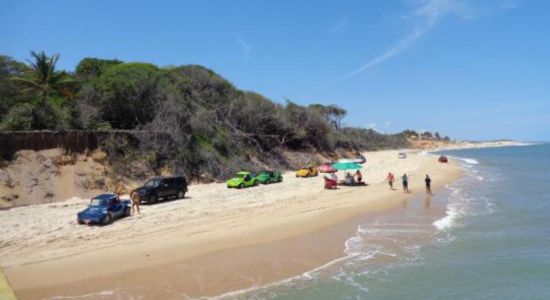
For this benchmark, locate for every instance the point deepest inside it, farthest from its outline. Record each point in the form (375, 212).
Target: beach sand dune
(39, 241)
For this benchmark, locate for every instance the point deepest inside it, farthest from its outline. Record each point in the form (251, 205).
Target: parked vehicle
(307, 172)
(267, 177)
(157, 188)
(345, 160)
(443, 159)
(402, 155)
(359, 159)
(242, 179)
(104, 209)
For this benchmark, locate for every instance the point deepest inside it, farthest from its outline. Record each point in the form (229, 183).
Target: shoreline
(285, 218)
(238, 271)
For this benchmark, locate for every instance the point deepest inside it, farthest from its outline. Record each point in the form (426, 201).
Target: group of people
(405, 182)
(349, 179)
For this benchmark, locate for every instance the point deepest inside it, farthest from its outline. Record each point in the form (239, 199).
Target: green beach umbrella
(342, 166)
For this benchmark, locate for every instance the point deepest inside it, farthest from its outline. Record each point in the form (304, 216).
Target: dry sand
(44, 252)
(48, 176)
(450, 145)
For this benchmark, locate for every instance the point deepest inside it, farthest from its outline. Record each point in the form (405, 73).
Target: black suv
(158, 188)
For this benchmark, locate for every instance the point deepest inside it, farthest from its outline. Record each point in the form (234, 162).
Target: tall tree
(332, 114)
(43, 77)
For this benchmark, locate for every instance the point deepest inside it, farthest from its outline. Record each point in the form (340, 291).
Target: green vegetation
(186, 118)
(42, 80)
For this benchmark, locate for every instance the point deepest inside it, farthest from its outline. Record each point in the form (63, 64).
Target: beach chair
(330, 184)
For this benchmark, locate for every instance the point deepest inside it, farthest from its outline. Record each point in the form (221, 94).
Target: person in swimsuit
(405, 180)
(134, 196)
(428, 181)
(348, 180)
(390, 180)
(359, 176)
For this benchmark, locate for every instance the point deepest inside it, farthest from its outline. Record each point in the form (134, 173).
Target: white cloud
(244, 45)
(372, 126)
(387, 124)
(425, 16)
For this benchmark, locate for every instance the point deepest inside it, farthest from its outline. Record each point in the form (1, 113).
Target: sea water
(493, 241)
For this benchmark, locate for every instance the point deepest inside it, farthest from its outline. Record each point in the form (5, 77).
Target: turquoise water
(493, 243)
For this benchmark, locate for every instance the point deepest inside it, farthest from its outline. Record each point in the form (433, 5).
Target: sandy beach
(39, 241)
(215, 121)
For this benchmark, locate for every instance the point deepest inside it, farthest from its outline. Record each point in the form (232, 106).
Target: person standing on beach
(390, 180)
(359, 176)
(134, 196)
(405, 180)
(428, 181)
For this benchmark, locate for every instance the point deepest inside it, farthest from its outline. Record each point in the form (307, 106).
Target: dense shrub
(18, 118)
(188, 118)
(130, 94)
(89, 68)
(10, 91)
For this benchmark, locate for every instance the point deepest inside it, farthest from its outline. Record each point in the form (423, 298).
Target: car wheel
(240, 186)
(255, 182)
(107, 220)
(153, 199)
(181, 195)
(127, 211)
(280, 179)
(80, 222)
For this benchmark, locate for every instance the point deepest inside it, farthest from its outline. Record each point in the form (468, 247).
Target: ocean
(485, 236)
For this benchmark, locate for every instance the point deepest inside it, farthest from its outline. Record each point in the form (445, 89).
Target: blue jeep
(104, 209)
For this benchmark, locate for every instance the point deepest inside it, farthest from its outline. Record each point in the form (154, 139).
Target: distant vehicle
(104, 209)
(402, 155)
(326, 168)
(158, 188)
(359, 159)
(242, 179)
(307, 172)
(267, 177)
(443, 159)
(345, 160)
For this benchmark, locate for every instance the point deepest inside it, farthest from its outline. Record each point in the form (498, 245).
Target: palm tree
(43, 77)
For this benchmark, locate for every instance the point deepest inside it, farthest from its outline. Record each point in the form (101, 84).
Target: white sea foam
(449, 220)
(309, 275)
(461, 201)
(454, 208)
(355, 251)
(469, 161)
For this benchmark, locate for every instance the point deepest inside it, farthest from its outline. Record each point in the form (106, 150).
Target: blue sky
(471, 69)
